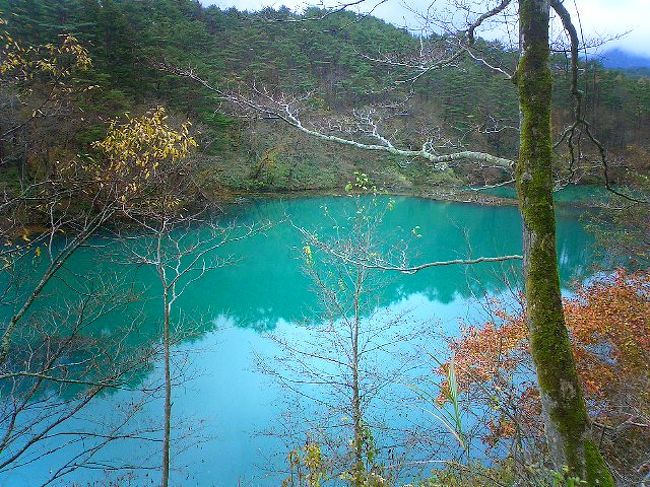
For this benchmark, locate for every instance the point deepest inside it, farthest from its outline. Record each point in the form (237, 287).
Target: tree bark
(168, 392)
(359, 473)
(567, 424)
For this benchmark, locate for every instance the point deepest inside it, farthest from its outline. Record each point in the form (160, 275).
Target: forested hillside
(332, 60)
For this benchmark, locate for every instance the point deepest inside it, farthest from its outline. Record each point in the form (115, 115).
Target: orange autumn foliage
(609, 324)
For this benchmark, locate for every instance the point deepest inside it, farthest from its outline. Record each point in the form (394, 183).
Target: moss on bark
(567, 422)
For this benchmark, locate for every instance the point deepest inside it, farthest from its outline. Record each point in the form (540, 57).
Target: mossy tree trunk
(567, 423)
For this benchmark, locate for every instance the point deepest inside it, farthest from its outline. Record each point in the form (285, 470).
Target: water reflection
(267, 290)
(268, 284)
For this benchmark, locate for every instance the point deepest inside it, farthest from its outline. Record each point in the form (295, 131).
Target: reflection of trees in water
(59, 366)
(268, 285)
(446, 231)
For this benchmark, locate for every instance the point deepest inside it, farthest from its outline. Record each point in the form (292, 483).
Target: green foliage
(446, 403)
(126, 38)
(10, 180)
(307, 467)
(504, 474)
(622, 234)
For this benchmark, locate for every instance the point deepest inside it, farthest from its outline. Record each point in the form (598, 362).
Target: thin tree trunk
(168, 393)
(567, 423)
(359, 470)
(53, 268)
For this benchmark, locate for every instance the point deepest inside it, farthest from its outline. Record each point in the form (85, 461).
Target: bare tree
(567, 424)
(181, 249)
(43, 225)
(58, 367)
(349, 359)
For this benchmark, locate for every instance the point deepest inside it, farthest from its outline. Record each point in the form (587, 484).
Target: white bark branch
(283, 110)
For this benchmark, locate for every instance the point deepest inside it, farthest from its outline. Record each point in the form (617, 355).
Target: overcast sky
(598, 17)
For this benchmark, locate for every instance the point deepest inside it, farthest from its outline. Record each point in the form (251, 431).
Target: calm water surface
(227, 401)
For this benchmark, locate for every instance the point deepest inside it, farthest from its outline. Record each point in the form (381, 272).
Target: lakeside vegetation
(329, 58)
(129, 125)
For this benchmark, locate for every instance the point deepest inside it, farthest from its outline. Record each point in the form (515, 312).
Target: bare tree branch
(283, 110)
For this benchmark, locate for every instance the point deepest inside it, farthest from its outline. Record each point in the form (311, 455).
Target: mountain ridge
(618, 58)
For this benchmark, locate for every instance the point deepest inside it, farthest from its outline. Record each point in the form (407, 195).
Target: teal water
(590, 194)
(230, 311)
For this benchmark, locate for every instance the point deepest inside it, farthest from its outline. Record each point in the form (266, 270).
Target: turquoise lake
(225, 398)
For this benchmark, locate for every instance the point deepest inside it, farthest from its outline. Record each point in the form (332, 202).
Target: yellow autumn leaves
(24, 62)
(144, 143)
(11, 53)
(132, 154)
(135, 151)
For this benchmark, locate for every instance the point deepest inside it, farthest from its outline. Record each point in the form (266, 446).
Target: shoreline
(441, 194)
(450, 195)
(228, 197)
